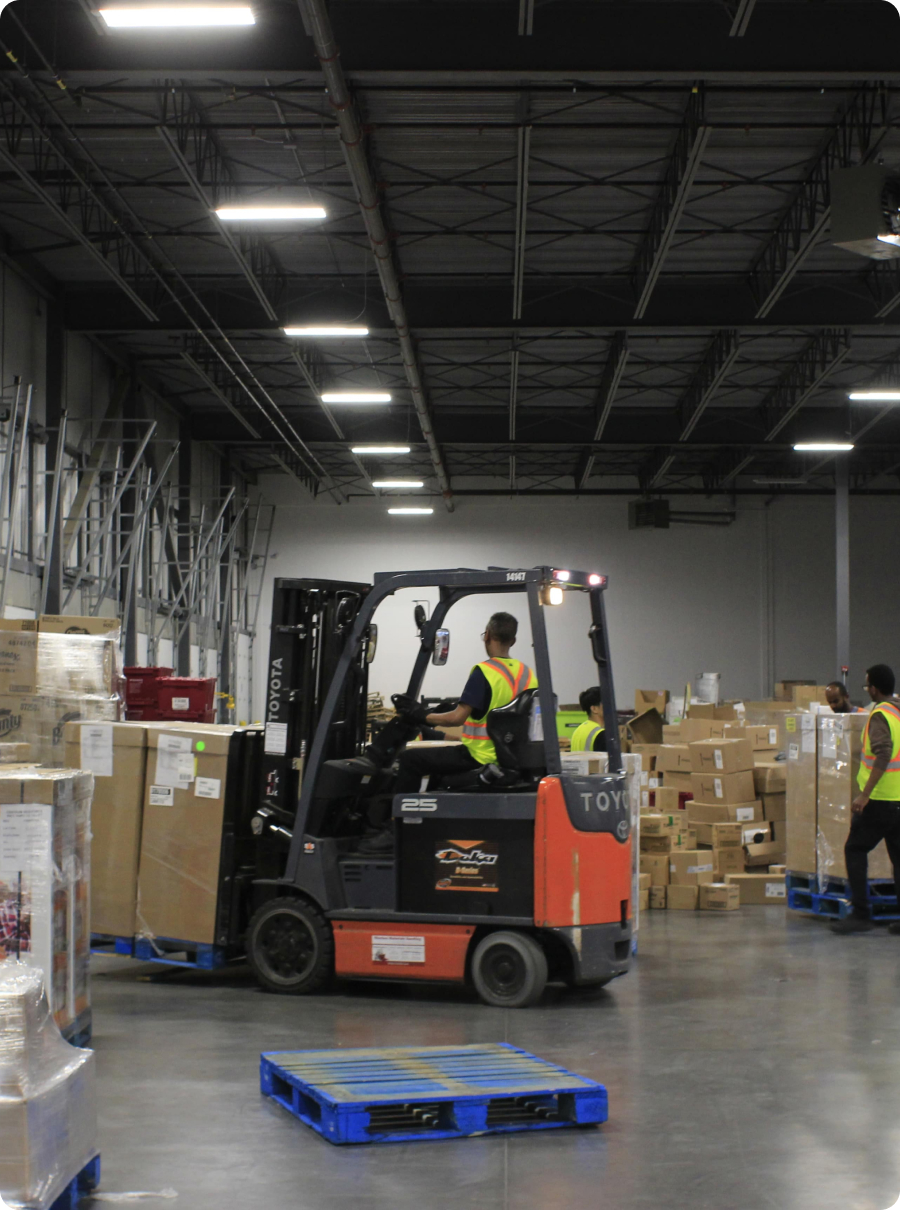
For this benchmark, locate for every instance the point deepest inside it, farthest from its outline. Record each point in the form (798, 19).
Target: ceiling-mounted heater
(865, 211)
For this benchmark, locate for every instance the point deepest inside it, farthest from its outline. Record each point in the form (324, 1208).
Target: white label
(97, 749)
(181, 703)
(654, 783)
(717, 755)
(276, 739)
(740, 708)
(208, 787)
(698, 869)
(807, 722)
(162, 796)
(400, 950)
(773, 736)
(174, 761)
(808, 741)
(743, 814)
(775, 890)
(645, 779)
(25, 839)
(717, 782)
(793, 751)
(749, 834)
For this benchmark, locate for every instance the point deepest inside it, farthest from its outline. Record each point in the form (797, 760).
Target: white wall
(739, 600)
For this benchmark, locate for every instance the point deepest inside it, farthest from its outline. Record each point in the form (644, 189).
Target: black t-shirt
(477, 693)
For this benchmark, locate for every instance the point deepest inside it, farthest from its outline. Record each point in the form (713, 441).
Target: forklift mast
(311, 620)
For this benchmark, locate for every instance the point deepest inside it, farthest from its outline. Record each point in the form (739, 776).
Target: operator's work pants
(880, 820)
(416, 763)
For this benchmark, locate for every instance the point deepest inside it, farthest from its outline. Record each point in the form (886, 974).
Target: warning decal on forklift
(466, 865)
(398, 949)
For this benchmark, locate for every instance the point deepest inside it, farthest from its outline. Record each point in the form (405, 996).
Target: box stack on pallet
(154, 695)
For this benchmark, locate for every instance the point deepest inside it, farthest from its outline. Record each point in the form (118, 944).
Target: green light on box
(201, 745)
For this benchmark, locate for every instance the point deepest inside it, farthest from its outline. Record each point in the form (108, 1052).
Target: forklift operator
(492, 683)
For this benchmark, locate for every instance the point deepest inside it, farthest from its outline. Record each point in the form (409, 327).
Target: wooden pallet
(406, 1093)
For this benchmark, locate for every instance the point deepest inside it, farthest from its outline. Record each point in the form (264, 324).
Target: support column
(128, 576)
(54, 376)
(842, 563)
(183, 654)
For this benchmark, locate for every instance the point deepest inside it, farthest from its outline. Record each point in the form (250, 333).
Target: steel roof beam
(318, 25)
(616, 361)
(742, 15)
(684, 160)
(856, 138)
(718, 359)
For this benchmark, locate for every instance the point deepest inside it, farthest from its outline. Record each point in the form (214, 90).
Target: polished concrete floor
(752, 1062)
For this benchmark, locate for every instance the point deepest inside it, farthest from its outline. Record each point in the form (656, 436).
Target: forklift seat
(520, 758)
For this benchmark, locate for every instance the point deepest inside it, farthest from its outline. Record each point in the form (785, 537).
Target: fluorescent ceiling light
(411, 512)
(356, 397)
(327, 330)
(823, 447)
(876, 396)
(177, 16)
(397, 483)
(375, 450)
(268, 214)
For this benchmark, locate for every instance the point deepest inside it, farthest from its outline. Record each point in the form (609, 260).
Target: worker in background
(875, 812)
(591, 735)
(838, 698)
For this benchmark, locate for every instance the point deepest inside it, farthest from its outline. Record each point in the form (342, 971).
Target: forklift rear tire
(290, 947)
(509, 970)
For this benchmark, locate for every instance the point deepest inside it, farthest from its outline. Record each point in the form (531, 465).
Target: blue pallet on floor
(164, 950)
(83, 1185)
(407, 1093)
(80, 1032)
(104, 943)
(838, 907)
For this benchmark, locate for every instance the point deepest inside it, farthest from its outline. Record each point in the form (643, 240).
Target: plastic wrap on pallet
(79, 665)
(798, 738)
(48, 1116)
(45, 881)
(839, 745)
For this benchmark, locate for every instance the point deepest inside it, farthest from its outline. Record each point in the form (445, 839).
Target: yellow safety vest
(888, 785)
(507, 679)
(583, 737)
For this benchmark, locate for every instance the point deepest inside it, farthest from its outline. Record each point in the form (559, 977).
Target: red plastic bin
(141, 684)
(185, 697)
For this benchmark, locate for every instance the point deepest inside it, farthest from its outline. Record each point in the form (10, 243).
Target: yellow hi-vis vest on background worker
(583, 737)
(507, 679)
(888, 785)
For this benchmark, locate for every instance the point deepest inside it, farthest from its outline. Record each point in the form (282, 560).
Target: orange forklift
(505, 878)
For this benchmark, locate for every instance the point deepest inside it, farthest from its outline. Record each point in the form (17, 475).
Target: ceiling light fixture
(268, 214)
(411, 512)
(379, 450)
(177, 16)
(875, 396)
(397, 483)
(823, 447)
(356, 397)
(326, 330)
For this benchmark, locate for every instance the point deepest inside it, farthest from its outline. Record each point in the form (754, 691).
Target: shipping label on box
(720, 756)
(723, 787)
(719, 897)
(689, 867)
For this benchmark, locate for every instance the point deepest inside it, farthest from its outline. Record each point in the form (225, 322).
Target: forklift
(503, 879)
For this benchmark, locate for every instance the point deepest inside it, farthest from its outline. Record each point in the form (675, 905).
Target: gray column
(842, 561)
(54, 378)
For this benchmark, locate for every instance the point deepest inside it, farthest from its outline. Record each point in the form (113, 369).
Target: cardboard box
(666, 844)
(721, 835)
(673, 758)
(719, 897)
(116, 754)
(763, 854)
(741, 812)
(682, 898)
(784, 690)
(720, 756)
(761, 738)
(651, 699)
(693, 729)
(770, 775)
(643, 882)
(698, 710)
(774, 806)
(658, 825)
(657, 866)
(839, 739)
(777, 869)
(647, 753)
(658, 896)
(723, 787)
(583, 764)
(801, 810)
(184, 801)
(643, 900)
(645, 728)
(667, 799)
(760, 888)
(68, 624)
(728, 861)
(679, 782)
(18, 656)
(671, 733)
(805, 695)
(690, 867)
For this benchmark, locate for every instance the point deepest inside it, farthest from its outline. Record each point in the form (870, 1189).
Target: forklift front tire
(290, 947)
(509, 970)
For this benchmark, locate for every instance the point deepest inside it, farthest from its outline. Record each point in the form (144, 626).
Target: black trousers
(880, 820)
(416, 763)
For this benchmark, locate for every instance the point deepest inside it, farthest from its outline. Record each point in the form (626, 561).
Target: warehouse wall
(751, 600)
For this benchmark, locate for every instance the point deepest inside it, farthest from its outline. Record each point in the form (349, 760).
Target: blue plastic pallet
(830, 896)
(80, 1032)
(407, 1093)
(104, 943)
(83, 1185)
(163, 950)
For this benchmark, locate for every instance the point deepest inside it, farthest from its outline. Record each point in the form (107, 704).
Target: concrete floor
(751, 1062)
